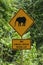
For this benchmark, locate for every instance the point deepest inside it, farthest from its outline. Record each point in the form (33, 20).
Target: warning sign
(22, 44)
(21, 22)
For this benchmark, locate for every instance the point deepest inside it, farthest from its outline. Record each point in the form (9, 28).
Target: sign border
(27, 28)
(22, 39)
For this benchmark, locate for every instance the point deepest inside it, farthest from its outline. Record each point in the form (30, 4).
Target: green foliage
(30, 56)
(8, 9)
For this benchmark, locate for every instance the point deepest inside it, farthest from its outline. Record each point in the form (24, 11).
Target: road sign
(21, 22)
(22, 44)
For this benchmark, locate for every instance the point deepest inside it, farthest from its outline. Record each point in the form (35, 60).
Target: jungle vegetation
(8, 56)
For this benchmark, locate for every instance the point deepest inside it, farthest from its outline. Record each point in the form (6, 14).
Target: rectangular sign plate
(21, 44)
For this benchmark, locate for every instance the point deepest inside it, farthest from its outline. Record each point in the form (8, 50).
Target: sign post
(21, 22)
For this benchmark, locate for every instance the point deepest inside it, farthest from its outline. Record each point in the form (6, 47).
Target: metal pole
(21, 56)
(21, 63)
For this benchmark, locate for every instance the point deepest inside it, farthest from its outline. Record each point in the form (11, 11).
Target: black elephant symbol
(21, 21)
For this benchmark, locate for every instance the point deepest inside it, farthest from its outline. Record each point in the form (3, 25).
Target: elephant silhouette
(21, 21)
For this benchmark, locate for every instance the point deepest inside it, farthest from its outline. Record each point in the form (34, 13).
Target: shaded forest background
(8, 56)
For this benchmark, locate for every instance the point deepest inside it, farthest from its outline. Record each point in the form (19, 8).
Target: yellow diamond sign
(21, 22)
